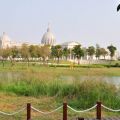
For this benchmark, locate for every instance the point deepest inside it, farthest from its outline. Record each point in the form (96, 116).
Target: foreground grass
(47, 87)
(10, 103)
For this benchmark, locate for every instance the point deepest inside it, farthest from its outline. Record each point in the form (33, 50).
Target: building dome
(4, 41)
(48, 38)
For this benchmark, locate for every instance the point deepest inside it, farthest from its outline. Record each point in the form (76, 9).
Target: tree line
(35, 52)
(78, 52)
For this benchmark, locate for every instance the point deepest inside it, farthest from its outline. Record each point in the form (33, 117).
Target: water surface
(19, 75)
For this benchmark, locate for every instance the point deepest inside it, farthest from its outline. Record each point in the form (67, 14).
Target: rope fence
(46, 112)
(11, 114)
(110, 109)
(65, 107)
(82, 111)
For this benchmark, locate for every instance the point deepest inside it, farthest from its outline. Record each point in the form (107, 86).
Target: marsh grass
(36, 82)
(81, 94)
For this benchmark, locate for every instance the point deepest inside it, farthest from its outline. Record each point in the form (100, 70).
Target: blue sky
(85, 21)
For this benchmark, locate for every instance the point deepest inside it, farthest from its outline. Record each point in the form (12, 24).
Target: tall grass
(80, 94)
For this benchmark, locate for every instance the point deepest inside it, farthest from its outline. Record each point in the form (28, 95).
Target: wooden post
(28, 111)
(65, 111)
(98, 111)
(80, 118)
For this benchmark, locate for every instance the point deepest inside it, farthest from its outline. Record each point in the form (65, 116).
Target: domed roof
(4, 41)
(48, 38)
(5, 37)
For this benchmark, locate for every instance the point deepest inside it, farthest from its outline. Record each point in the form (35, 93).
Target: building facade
(47, 39)
(6, 42)
(69, 45)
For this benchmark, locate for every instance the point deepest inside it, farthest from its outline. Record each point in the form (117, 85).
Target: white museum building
(48, 38)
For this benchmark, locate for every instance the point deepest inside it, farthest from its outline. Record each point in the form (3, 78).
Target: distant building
(48, 38)
(69, 45)
(5, 41)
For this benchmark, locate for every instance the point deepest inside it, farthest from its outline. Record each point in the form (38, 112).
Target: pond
(9, 76)
(109, 79)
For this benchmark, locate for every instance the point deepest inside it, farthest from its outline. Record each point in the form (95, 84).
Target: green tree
(66, 52)
(14, 53)
(112, 50)
(33, 51)
(56, 51)
(103, 52)
(5, 53)
(45, 52)
(24, 51)
(91, 51)
(38, 52)
(78, 52)
(97, 51)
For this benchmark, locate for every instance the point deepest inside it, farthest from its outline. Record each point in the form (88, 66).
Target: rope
(46, 112)
(110, 109)
(82, 110)
(10, 114)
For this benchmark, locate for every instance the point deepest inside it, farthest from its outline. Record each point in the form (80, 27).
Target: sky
(88, 22)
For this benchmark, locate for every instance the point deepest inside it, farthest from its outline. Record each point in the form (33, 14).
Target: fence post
(98, 111)
(80, 118)
(28, 111)
(64, 111)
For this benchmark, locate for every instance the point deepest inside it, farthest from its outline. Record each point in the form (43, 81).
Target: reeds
(78, 93)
